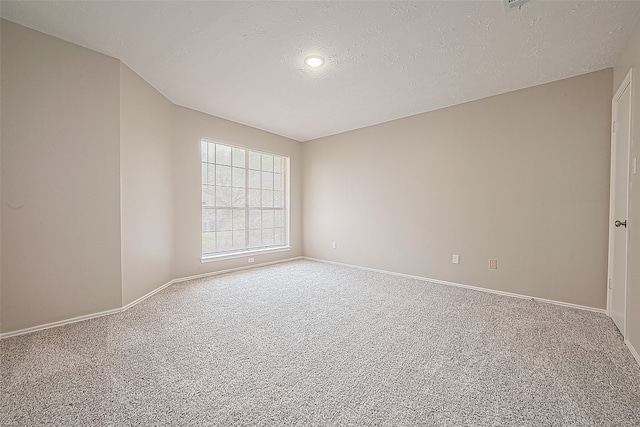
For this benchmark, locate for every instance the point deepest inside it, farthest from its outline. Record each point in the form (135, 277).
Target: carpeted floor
(305, 343)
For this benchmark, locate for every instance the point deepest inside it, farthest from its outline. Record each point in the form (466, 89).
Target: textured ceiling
(384, 60)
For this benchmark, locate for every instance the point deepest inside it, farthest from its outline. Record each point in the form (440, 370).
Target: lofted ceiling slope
(243, 60)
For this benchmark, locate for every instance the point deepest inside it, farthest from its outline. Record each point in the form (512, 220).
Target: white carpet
(305, 343)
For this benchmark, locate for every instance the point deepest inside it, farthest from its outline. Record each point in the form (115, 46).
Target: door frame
(626, 84)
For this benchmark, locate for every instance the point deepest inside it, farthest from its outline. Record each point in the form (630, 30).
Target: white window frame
(207, 206)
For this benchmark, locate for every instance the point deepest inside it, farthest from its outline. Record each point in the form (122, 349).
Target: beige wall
(60, 183)
(146, 186)
(630, 57)
(522, 177)
(190, 127)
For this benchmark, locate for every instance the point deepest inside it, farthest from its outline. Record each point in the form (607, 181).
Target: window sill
(243, 254)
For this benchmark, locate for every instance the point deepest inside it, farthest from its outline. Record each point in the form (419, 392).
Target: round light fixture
(314, 61)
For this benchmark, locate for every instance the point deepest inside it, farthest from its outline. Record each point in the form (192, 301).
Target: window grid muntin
(216, 183)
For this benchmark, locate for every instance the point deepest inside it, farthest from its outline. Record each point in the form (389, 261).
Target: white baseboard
(144, 297)
(231, 270)
(139, 300)
(200, 276)
(633, 351)
(460, 285)
(59, 323)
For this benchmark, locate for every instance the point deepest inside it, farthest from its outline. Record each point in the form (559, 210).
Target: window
(244, 200)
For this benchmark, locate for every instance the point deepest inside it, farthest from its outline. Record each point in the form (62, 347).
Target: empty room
(259, 213)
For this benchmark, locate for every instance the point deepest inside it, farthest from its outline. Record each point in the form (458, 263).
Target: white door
(620, 142)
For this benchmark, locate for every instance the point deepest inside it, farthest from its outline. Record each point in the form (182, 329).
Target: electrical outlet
(334, 245)
(493, 264)
(250, 260)
(455, 259)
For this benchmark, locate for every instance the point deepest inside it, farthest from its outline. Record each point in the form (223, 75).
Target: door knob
(618, 223)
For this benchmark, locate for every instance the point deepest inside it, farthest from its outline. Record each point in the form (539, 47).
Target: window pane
(255, 219)
(223, 154)
(211, 174)
(277, 164)
(239, 216)
(278, 218)
(208, 195)
(223, 176)
(267, 219)
(254, 198)
(277, 199)
(223, 220)
(255, 238)
(267, 198)
(254, 160)
(211, 155)
(279, 236)
(267, 163)
(223, 197)
(238, 177)
(254, 179)
(204, 173)
(267, 180)
(208, 242)
(277, 181)
(208, 220)
(239, 239)
(267, 236)
(224, 241)
(203, 150)
(239, 199)
(237, 157)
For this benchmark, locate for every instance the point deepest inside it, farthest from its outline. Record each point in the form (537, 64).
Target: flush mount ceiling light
(314, 61)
